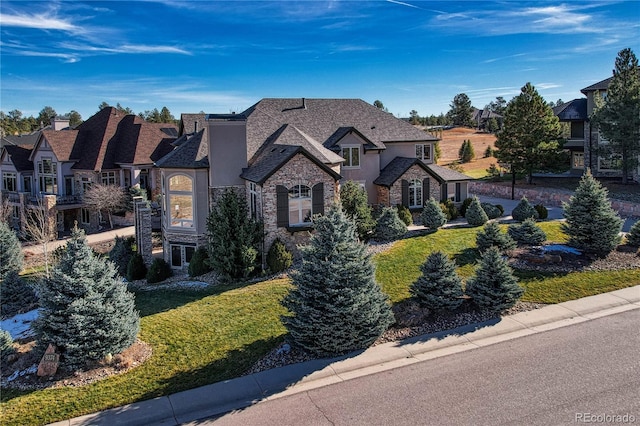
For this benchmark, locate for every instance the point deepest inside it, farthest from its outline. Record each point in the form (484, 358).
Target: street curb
(234, 394)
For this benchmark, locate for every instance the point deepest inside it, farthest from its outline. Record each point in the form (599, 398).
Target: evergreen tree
(432, 216)
(11, 256)
(389, 226)
(528, 233)
(633, 236)
(493, 286)
(6, 344)
(121, 253)
(475, 214)
(618, 119)
(591, 223)
(524, 210)
(466, 152)
(336, 305)
(530, 136)
(354, 203)
(17, 295)
(234, 237)
(439, 287)
(492, 236)
(199, 264)
(85, 308)
(461, 112)
(279, 258)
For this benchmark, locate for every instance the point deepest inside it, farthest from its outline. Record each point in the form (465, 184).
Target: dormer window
(351, 155)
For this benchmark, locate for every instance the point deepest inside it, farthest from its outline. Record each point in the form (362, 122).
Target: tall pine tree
(85, 308)
(591, 223)
(336, 305)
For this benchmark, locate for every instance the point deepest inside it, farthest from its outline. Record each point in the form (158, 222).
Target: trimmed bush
(592, 225)
(527, 233)
(492, 211)
(335, 305)
(279, 258)
(389, 226)
(159, 270)
(493, 286)
(450, 210)
(524, 210)
(432, 216)
(199, 262)
(492, 236)
(543, 213)
(465, 206)
(121, 253)
(17, 296)
(136, 269)
(475, 213)
(501, 208)
(6, 344)
(11, 256)
(439, 287)
(404, 214)
(633, 236)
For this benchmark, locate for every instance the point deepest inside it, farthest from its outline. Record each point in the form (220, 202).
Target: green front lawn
(205, 337)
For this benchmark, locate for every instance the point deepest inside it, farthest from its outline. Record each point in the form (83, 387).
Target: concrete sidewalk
(98, 237)
(219, 398)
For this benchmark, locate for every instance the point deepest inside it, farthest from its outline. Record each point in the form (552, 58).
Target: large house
(54, 170)
(288, 157)
(584, 140)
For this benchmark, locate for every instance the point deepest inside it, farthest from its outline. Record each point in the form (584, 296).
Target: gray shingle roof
(399, 166)
(191, 152)
(575, 110)
(601, 85)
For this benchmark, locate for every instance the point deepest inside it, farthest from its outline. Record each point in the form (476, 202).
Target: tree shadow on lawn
(468, 256)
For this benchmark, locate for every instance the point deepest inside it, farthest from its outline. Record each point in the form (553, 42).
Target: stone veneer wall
(414, 172)
(298, 171)
(548, 196)
(142, 215)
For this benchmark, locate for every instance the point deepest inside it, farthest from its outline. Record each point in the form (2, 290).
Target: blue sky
(219, 57)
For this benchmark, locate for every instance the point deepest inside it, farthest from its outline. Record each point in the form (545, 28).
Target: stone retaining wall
(550, 197)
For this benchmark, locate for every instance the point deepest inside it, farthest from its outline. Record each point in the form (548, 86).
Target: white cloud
(41, 22)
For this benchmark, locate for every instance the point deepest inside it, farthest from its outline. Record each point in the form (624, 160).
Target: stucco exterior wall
(402, 149)
(227, 152)
(369, 166)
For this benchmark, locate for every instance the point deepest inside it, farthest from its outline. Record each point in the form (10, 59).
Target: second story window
(423, 151)
(351, 155)
(180, 201)
(48, 176)
(108, 178)
(9, 181)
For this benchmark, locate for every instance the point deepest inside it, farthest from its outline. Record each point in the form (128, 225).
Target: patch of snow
(19, 373)
(561, 248)
(19, 326)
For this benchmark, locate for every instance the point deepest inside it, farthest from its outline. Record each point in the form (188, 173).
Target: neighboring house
(584, 141)
(108, 148)
(288, 158)
(481, 118)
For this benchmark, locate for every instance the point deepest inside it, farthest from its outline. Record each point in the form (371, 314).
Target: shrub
(432, 216)
(159, 270)
(633, 236)
(493, 286)
(465, 206)
(466, 152)
(17, 295)
(450, 210)
(354, 204)
(389, 226)
(6, 344)
(279, 258)
(475, 213)
(543, 213)
(199, 262)
(85, 308)
(335, 305)
(11, 256)
(591, 224)
(492, 236)
(494, 172)
(439, 287)
(501, 208)
(136, 269)
(492, 211)
(404, 214)
(488, 153)
(527, 233)
(121, 253)
(524, 210)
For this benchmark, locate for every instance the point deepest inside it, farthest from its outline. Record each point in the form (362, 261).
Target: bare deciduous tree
(107, 198)
(37, 228)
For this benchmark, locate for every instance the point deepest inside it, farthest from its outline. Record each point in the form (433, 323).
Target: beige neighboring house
(288, 157)
(109, 148)
(584, 140)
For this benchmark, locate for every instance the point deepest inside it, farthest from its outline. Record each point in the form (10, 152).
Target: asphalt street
(584, 373)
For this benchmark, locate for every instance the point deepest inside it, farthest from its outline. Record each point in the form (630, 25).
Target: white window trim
(428, 149)
(298, 204)
(415, 189)
(351, 148)
(185, 224)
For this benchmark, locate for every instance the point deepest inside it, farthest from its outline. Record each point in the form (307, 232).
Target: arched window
(415, 193)
(180, 201)
(300, 205)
